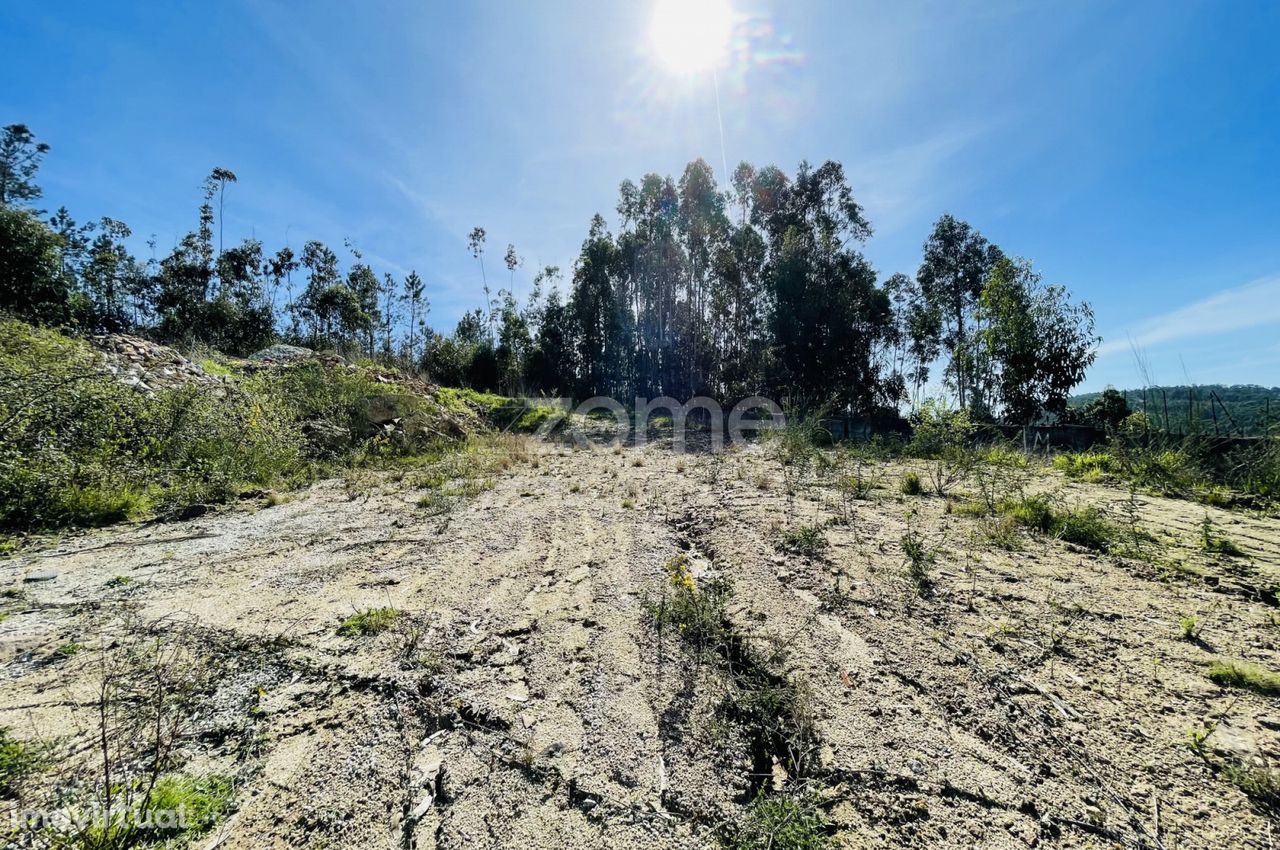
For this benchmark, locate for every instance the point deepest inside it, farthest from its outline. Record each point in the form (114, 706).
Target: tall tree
(221, 176)
(475, 242)
(20, 156)
(1038, 342)
(957, 261)
(414, 297)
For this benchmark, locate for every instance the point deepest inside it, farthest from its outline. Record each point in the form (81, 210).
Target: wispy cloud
(1253, 305)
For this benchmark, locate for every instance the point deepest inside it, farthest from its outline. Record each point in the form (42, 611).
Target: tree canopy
(758, 288)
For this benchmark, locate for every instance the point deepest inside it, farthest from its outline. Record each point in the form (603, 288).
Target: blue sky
(1130, 149)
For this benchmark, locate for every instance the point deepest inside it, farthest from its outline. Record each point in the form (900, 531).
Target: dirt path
(1039, 697)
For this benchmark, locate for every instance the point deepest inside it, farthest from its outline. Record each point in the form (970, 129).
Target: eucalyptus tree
(957, 261)
(221, 177)
(1038, 342)
(475, 243)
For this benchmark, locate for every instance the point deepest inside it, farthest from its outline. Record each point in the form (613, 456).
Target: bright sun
(690, 35)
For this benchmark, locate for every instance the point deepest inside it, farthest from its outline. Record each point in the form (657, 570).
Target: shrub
(911, 485)
(1084, 525)
(18, 760)
(805, 540)
(941, 437)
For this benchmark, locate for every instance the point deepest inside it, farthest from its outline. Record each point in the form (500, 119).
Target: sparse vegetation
(911, 485)
(806, 540)
(1215, 543)
(1082, 525)
(370, 621)
(919, 558)
(18, 761)
(781, 822)
(1244, 675)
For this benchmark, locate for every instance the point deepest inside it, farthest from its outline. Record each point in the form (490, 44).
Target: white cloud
(1252, 305)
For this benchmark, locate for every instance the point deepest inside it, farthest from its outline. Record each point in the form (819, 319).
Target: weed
(1260, 784)
(1084, 525)
(1242, 674)
(1215, 543)
(67, 650)
(806, 540)
(119, 581)
(911, 485)
(371, 621)
(697, 613)
(919, 558)
(781, 822)
(1191, 628)
(628, 504)
(1002, 533)
(1198, 739)
(18, 761)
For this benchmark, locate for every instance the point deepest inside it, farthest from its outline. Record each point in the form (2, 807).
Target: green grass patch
(1083, 525)
(1244, 675)
(781, 822)
(371, 621)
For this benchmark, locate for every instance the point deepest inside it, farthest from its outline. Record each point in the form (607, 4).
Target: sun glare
(690, 35)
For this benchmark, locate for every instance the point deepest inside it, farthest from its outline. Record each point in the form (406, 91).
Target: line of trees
(758, 289)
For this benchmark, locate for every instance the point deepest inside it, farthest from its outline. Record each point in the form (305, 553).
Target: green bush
(78, 447)
(1084, 525)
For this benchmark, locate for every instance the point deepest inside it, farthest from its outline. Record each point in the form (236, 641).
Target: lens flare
(689, 36)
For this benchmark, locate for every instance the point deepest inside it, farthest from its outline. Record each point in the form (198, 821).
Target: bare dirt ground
(1040, 697)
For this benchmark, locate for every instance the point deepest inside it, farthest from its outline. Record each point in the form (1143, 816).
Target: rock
(281, 353)
(41, 575)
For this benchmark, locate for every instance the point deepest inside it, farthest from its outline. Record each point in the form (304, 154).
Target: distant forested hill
(1247, 409)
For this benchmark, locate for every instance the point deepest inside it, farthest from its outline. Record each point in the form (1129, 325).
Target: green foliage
(1083, 525)
(1215, 543)
(77, 447)
(941, 437)
(1260, 784)
(804, 540)
(781, 822)
(696, 611)
(1034, 342)
(1241, 408)
(370, 621)
(18, 761)
(177, 810)
(1242, 674)
(919, 559)
(1093, 467)
(911, 485)
(33, 283)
